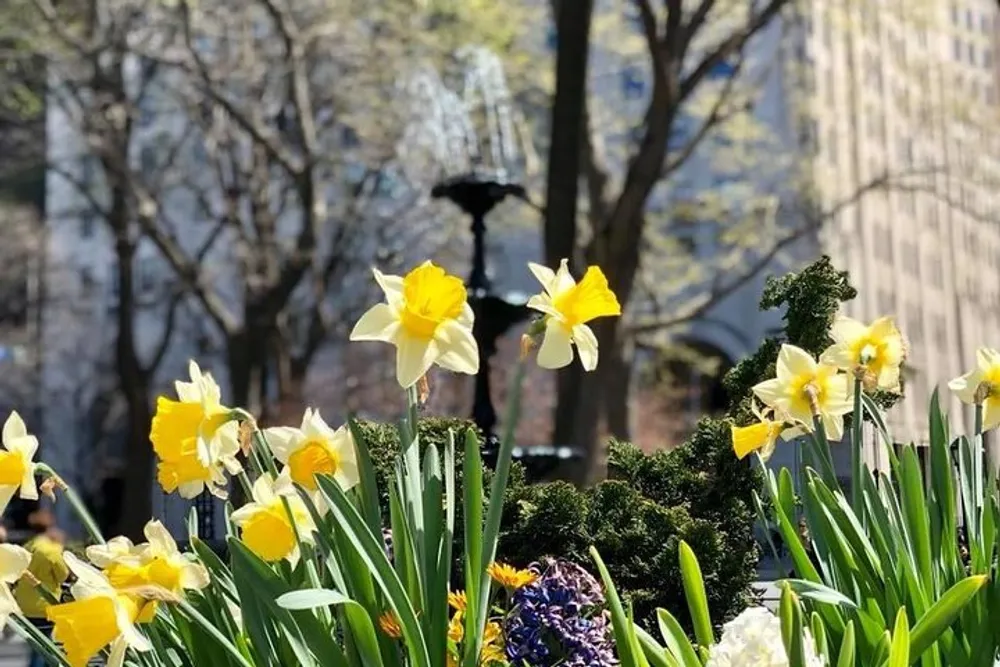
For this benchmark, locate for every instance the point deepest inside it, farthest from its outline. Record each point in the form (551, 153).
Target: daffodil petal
(116, 655)
(263, 490)
(838, 355)
(14, 560)
(86, 576)
(282, 440)
(563, 279)
(414, 358)
(834, 426)
(846, 329)
(586, 346)
(379, 323)
(794, 361)
(14, 428)
(771, 392)
(391, 285)
(991, 413)
(888, 378)
(556, 350)
(966, 385)
(987, 358)
(543, 304)
(135, 639)
(190, 490)
(25, 445)
(459, 350)
(159, 537)
(544, 274)
(29, 488)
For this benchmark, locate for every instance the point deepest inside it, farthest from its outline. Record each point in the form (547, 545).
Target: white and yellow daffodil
(265, 525)
(878, 350)
(315, 449)
(157, 563)
(981, 385)
(568, 306)
(98, 616)
(14, 561)
(17, 467)
(803, 386)
(195, 438)
(426, 316)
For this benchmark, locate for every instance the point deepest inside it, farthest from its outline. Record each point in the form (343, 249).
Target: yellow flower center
(801, 386)
(871, 353)
(12, 468)
(269, 534)
(587, 300)
(84, 627)
(313, 458)
(430, 297)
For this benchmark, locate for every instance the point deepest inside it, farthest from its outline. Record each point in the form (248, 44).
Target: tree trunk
(572, 19)
(617, 390)
(139, 459)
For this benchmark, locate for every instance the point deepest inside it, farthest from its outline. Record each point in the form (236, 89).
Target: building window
(984, 24)
(956, 48)
(970, 20)
(972, 53)
(987, 58)
(906, 151)
(831, 145)
(955, 18)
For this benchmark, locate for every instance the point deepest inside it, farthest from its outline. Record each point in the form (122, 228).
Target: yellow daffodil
(761, 436)
(14, 561)
(427, 318)
(510, 577)
(195, 438)
(17, 469)
(568, 306)
(492, 650)
(981, 386)
(98, 616)
(876, 351)
(315, 449)
(390, 625)
(457, 600)
(154, 570)
(265, 525)
(803, 386)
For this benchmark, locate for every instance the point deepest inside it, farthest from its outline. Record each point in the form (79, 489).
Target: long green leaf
(373, 553)
(899, 652)
(943, 613)
(368, 482)
(676, 639)
(620, 624)
(846, 656)
(694, 591)
(362, 629)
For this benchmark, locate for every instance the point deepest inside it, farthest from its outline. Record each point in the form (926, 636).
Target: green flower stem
(977, 455)
(493, 514)
(822, 452)
(209, 628)
(857, 429)
(245, 484)
(74, 500)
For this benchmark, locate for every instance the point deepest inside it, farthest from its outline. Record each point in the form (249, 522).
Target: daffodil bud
(983, 391)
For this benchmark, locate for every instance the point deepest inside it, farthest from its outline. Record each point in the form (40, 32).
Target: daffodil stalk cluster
(313, 573)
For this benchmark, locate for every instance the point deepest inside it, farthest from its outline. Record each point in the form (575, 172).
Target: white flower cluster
(753, 639)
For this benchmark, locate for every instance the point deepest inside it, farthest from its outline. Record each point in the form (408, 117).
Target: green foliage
(697, 492)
